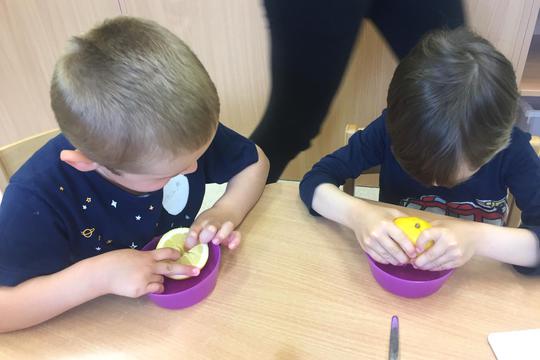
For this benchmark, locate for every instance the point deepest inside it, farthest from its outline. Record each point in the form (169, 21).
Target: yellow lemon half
(196, 256)
(412, 227)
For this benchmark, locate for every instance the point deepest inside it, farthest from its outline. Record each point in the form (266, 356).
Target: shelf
(530, 82)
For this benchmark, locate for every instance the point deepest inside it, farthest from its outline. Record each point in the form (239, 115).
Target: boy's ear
(78, 160)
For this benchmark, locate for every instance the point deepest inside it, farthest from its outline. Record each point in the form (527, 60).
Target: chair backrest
(14, 155)
(514, 214)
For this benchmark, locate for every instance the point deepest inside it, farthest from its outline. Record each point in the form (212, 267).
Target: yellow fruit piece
(412, 227)
(196, 256)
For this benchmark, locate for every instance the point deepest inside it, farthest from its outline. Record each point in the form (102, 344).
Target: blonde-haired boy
(140, 139)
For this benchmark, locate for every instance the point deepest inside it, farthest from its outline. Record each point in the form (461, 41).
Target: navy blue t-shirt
(483, 197)
(53, 215)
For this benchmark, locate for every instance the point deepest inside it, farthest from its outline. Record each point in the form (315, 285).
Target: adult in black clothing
(311, 41)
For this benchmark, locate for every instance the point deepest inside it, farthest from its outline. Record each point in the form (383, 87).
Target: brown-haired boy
(447, 144)
(140, 139)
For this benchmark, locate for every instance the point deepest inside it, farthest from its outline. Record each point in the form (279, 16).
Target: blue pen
(393, 350)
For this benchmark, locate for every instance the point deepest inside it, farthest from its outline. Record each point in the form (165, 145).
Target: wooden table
(299, 287)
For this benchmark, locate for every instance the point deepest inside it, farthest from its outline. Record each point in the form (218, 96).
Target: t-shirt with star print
(53, 215)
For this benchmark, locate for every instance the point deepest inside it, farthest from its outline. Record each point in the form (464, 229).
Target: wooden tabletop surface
(299, 287)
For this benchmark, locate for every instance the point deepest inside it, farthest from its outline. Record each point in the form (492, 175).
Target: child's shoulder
(519, 146)
(376, 127)
(44, 166)
(519, 137)
(372, 137)
(226, 136)
(518, 157)
(228, 154)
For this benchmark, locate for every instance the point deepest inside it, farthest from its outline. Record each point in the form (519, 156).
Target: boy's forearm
(506, 244)
(332, 203)
(39, 299)
(244, 189)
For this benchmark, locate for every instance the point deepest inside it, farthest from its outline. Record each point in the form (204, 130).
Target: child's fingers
(431, 258)
(435, 263)
(403, 241)
(448, 260)
(429, 235)
(208, 233)
(168, 268)
(376, 246)
(452, 264)
(193, 236)
(165, 254)
(155, 278)
(223, 232)
(190, 242)
(392, 248)
(375, 256)
(155, 288)
(233, 240)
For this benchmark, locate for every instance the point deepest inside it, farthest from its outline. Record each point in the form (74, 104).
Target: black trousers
(311, 41)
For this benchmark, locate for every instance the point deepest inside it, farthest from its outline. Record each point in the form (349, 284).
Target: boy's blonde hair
(130, 90)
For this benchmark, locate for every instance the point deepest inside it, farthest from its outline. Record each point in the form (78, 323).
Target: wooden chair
(14, 155)
(514, 214)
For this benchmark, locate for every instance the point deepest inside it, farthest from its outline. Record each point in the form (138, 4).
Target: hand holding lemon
(215, 225)
(377, 234)
(412, 227)
(197, 256)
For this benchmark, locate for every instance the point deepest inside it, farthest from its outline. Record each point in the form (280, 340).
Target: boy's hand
(133, 273)
(213, 225)
(454, 245)
(379, 237)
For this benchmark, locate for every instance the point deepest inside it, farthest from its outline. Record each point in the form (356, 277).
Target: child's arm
(217, 224)
(372, 224)
(456, 241)
(122, 272)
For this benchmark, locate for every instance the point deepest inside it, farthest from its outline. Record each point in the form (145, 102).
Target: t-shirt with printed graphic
(481, 198)
(52, 215)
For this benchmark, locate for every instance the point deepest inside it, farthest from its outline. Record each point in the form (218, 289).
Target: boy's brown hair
(452, 100)
(130, 90)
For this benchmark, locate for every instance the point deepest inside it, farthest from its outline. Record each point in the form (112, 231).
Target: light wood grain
(530, 83)
(509, 25)
(231, 38)
(14, 155)
(299, 287)
(33, 33)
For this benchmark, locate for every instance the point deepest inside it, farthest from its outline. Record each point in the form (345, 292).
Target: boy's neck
(106, 174)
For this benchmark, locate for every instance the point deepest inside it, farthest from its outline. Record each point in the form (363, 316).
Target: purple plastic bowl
(181, 294)
(407, 281)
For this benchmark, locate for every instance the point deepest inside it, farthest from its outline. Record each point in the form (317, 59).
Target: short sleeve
(228, 154)
(32, 242)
